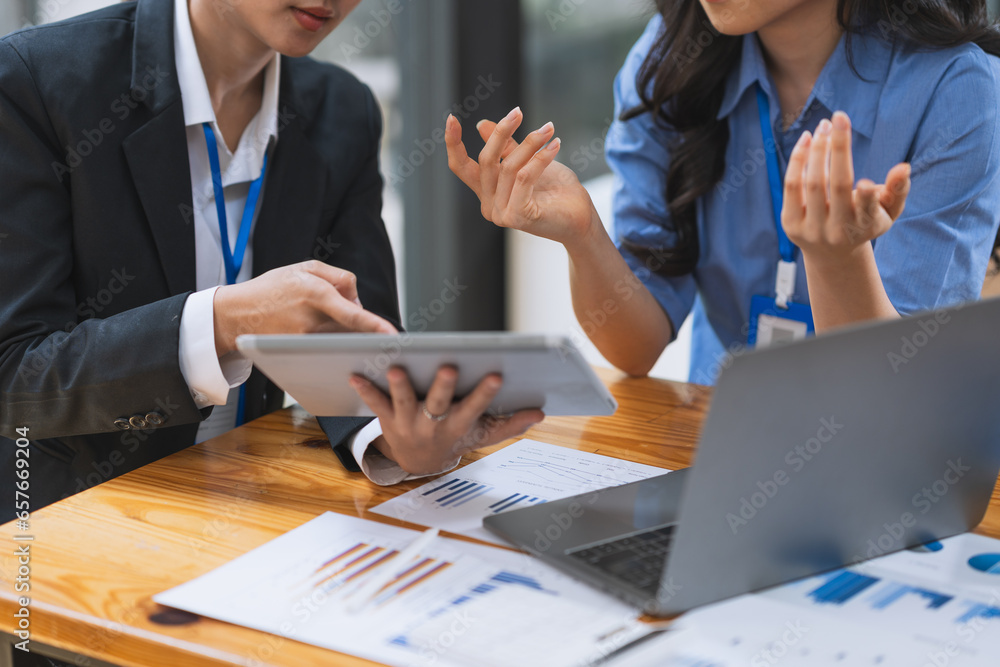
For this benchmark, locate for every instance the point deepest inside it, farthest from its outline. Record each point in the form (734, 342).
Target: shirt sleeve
(637, 151)
(377, 467)
(208, 377)
(936, 255)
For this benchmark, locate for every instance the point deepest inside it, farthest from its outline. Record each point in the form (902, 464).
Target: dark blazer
(97, 249)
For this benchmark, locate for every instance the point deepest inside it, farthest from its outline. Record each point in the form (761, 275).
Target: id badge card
(770, 324)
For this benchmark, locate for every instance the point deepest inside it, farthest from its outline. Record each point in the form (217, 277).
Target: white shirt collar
(246, 164)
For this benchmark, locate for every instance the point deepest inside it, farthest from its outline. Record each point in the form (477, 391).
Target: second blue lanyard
(774, 176)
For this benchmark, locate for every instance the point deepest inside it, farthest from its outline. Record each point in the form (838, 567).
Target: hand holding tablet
(426, 437)
(436, 395)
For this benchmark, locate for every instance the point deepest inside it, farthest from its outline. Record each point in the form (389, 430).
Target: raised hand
(824, 213)
(521, 186)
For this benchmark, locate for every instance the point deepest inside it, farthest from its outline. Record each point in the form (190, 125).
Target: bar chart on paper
(343, 574)
(457, 492)
(940, 595)
(938, 604)
(523, 474)
(496, 607)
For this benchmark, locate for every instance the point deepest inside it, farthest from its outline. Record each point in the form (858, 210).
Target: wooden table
(99, 557)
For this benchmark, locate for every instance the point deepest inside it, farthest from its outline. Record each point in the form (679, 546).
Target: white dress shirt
(215, 381)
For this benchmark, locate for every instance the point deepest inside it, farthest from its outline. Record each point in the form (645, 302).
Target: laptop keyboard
(636, 559)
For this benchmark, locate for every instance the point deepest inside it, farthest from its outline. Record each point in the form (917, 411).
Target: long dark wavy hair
(685, 90)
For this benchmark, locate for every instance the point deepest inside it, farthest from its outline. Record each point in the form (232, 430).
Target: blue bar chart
(978, 610)
(456, 492)
(447, 495)
(522, 475)
(944, 597)
(894, 592)
(842, 587)
(514, 499)
(477, 591)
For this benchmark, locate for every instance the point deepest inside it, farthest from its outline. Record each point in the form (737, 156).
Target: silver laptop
(814, 455)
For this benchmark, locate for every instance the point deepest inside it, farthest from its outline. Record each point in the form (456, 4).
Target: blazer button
(155, 419)
(123, 424)
(138, 422)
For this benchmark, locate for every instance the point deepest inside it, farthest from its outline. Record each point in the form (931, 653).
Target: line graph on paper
(553, 473)
(523, 474)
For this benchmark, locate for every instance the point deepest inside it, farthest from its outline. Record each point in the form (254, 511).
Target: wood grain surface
(98, 557)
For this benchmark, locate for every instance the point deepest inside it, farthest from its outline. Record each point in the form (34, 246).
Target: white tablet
(539, 371)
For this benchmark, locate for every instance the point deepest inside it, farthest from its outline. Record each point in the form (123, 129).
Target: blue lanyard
(774, 177)
(233, 259)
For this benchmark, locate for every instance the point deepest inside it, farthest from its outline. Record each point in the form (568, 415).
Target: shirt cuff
(375, 465)
(208, 377)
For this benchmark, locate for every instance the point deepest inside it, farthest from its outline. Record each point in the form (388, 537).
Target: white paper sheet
(457, 604)
(933, 608)
(522, 474)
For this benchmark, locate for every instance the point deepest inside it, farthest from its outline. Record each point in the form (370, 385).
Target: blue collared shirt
(936, 110)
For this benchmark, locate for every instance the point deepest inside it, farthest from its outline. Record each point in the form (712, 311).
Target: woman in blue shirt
(863, 106)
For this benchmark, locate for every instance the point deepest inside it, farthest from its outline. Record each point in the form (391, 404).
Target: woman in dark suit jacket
(98, 252)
